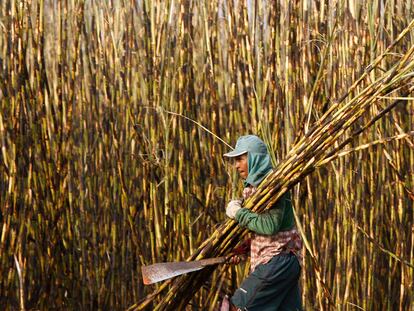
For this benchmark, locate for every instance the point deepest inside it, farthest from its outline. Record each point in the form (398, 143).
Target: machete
(166, 270)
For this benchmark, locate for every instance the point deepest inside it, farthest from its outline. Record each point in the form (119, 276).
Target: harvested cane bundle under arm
(317, 147)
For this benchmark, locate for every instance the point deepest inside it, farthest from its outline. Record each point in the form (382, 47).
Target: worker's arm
(267, 223)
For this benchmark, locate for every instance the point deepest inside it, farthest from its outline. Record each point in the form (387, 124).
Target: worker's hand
(232, 208)
(235, 259)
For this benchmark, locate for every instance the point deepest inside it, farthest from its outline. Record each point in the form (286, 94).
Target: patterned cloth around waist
(264, 247)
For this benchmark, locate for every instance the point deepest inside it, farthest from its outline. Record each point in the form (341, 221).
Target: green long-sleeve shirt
(270, 222)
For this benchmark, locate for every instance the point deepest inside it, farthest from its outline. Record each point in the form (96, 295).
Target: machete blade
(166, 270)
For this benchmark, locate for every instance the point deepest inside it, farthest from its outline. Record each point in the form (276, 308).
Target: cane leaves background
(98, 176)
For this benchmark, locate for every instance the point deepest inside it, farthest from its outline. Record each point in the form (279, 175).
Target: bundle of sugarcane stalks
(318, 145)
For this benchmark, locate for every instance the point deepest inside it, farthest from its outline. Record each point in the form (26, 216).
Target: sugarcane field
(201, 155)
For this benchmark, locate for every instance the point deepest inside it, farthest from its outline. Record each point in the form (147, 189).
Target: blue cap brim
(234, 153)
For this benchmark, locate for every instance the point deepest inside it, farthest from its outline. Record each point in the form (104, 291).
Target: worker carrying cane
(275, 247)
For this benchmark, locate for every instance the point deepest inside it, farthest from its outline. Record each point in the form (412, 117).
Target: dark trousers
(271, 286)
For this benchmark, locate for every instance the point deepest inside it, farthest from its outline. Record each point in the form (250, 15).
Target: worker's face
(240, 163)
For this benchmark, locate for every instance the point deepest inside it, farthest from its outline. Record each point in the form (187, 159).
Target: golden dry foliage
(99, 176)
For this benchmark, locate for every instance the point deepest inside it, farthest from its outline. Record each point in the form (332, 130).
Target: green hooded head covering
(258, 158)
